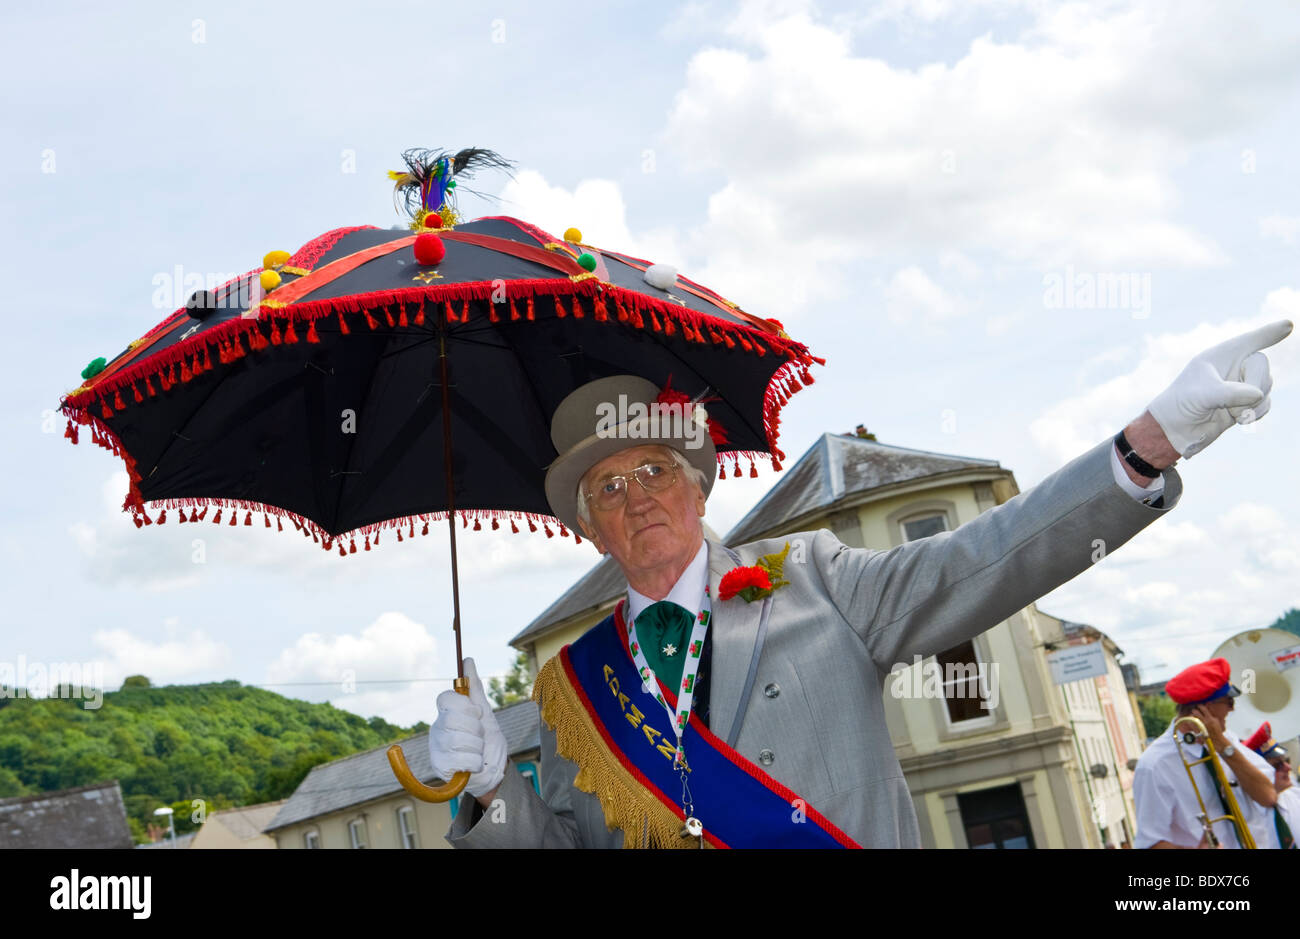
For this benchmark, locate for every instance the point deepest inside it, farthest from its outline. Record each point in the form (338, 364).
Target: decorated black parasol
(376, 380)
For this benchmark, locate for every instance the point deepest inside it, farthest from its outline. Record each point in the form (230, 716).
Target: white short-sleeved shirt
(1167, 806)
(1288, 803)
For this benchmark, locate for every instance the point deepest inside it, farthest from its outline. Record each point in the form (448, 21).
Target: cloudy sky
(922, 190)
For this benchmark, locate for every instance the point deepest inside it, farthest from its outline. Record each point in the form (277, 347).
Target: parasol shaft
(396, 758)
(451, 494)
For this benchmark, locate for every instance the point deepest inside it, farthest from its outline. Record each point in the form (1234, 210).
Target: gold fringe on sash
(627, 804)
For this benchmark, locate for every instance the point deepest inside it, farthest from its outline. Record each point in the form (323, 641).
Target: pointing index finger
(1231, 352)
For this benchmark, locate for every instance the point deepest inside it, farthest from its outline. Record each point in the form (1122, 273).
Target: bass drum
(1266, 667)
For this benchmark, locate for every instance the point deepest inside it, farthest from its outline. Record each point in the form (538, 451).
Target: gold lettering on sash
(635, 717)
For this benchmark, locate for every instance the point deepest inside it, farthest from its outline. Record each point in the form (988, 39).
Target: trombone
(1238, 820)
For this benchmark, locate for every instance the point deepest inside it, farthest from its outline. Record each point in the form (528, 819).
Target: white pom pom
(662, 276)
(700, 416)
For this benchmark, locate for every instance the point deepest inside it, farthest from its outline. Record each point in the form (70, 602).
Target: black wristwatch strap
(1132, 459)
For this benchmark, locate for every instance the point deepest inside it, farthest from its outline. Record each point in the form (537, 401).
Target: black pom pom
(201, 304)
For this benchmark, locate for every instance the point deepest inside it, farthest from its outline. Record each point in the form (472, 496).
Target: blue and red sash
(739, 804)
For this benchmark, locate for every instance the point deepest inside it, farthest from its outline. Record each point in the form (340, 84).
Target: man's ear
(591, 536)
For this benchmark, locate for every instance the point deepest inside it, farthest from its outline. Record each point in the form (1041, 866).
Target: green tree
(1157, 711)
(136, 681)
(518, 685)
(1290, 621)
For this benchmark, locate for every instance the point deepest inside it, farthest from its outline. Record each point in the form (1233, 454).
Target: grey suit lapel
(734, 627)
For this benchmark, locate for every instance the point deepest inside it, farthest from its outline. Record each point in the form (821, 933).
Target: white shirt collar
(688, 592)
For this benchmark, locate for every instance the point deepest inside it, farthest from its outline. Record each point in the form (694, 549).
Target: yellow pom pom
(270, 280)
(274, 259)
(573, 236)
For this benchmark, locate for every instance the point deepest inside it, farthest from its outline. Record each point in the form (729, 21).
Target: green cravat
(665, 625)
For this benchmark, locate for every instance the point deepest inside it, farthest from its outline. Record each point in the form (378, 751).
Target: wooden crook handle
(444, 793)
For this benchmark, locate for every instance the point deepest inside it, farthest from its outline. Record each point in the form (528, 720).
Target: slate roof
(841, 465)
(364, 776)
(85, 817)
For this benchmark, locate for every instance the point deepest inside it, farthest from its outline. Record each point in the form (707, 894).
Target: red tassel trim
(194, 356)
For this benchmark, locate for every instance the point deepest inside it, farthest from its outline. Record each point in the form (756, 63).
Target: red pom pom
(429, 248)
(433, 221)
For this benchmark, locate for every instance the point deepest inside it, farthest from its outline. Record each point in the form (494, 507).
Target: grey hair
(693, 473)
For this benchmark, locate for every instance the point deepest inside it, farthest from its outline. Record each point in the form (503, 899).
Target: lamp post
(171, 822)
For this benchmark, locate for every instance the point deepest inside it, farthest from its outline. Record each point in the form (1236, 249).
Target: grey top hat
(612, 414)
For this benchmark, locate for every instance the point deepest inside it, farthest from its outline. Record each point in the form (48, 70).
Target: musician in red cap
(1167, 807)
(1288, 797)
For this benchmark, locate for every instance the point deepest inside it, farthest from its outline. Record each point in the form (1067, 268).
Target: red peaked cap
(1262, 742)
(1201, 682)
(1259, 738)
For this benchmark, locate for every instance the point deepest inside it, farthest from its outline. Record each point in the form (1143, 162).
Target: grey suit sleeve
(520, 818)
(928, 595)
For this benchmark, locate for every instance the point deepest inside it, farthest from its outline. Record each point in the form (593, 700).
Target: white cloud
(1286, 228)
(1164, 540)
(175, 556)
(1270, 544)
(181, 656)
(1054, 148)
(596, 208)
(1074, 424)
(911, 295)
(367, 673)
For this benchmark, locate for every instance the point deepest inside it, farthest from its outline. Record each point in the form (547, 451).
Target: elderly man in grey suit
(782, 737)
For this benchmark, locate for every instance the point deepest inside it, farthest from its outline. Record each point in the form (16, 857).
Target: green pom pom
(452, 184)
(586, 261)
(94, 368)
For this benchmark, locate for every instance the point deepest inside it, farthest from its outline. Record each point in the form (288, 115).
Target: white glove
(466, 736)
(1226, 384)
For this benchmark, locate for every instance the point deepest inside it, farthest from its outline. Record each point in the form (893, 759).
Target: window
(311, 839)
(925, 526)
(962, 693)
(406, 827)
(995, 818)
(357, 832)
